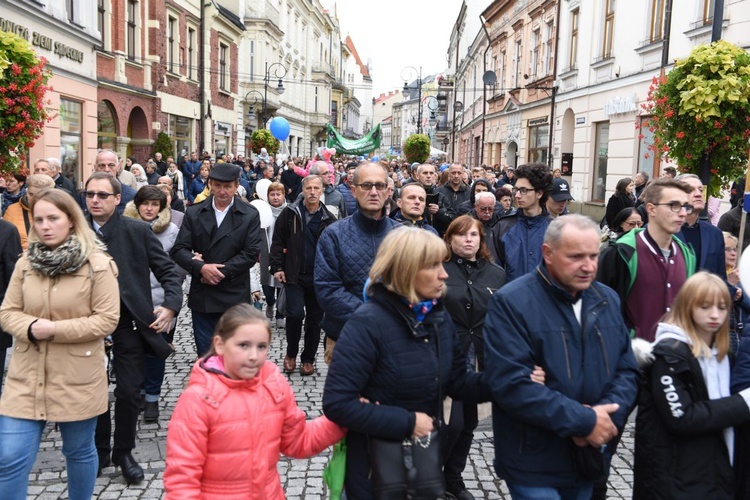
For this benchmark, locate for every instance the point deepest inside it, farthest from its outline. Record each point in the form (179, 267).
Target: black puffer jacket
(385, 355)
(470, 287)
(679, 443)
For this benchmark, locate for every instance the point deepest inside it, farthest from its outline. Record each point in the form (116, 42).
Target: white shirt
(220, 214)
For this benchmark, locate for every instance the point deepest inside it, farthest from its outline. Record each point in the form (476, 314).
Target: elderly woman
(62, 301)
(270, 285)
(399, 350)
(140, 175)
(150, 205)
(472, 279)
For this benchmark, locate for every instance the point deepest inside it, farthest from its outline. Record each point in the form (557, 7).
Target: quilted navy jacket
(346, 251)
(385, 355)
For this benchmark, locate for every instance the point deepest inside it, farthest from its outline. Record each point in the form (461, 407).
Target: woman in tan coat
(62, 301)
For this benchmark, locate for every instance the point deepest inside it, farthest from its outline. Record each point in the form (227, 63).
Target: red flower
(680, 135)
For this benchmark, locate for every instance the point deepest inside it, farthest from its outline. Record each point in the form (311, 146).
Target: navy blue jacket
(712, 257)
(385, 355)
(518, 242)
(346, 251)
(531, 321)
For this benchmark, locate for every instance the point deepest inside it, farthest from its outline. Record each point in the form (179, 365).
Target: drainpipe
(484, 88)
(201, 70)
(553, 101)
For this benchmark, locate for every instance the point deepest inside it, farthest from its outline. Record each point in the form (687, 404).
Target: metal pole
(718, 20)
(419, 104)
(743, 218)
(667, 34)
(265, 96)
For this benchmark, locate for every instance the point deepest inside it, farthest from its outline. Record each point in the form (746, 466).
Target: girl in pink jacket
(236, 416)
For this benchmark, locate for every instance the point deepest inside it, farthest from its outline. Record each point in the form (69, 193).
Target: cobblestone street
(302, 479)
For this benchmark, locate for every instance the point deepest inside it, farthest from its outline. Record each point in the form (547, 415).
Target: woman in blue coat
(399, 350)
(200, 181)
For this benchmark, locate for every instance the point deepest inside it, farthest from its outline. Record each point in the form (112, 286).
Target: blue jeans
(204, 325)
(581, 492)
(19, 444)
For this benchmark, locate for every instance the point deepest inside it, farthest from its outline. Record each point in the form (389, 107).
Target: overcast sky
(394, 34)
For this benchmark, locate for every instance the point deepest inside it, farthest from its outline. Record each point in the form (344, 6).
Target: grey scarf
(65, 259)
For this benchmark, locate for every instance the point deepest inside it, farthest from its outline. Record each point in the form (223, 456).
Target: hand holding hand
(43, 329)
(211, 275)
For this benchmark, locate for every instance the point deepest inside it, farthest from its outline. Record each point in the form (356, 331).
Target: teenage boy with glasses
(647, 267)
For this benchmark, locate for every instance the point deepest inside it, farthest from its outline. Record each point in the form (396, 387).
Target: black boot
(151, 412)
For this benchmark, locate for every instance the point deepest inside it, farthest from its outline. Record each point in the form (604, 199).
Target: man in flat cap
(218, 243)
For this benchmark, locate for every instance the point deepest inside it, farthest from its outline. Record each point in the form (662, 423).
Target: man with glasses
(705, 238)
(519, 236)
(485, 211)
(647, 267)
(137, 253)
(346, 251)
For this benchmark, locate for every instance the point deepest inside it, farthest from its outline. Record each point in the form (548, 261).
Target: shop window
(181, 134)
(70, 138)
(601, 154)
(538, 143)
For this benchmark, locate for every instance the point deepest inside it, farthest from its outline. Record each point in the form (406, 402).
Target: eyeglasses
(730, 250)
(676, 206)
(633, 224)
(524, 191)
(102, 196)
(485, 209)
(367, 186)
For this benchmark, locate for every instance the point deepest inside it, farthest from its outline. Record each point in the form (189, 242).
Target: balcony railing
(261, 9)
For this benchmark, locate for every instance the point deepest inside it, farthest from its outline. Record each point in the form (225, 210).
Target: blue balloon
(279, 128)
(375, 159)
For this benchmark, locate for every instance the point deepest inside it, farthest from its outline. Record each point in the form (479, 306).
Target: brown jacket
(63, 379)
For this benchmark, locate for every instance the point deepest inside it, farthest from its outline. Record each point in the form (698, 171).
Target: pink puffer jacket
(225, 436)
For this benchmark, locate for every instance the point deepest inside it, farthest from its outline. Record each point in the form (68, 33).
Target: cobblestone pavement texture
(302, 479)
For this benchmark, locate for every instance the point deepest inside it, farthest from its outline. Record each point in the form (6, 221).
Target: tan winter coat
(63, 379)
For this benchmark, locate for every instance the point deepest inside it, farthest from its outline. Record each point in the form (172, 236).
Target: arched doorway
(106, 126)
(511, 154)
(568, 138)
(138, 134)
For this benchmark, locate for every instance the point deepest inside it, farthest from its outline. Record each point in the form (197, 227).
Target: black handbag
(412, 468)
(409, 469)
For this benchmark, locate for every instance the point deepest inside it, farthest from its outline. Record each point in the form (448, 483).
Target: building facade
(66, 34)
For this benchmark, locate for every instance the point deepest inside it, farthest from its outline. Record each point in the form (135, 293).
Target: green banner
(361, 146)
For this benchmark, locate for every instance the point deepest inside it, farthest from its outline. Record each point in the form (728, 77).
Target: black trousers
(302, 304)
(129, 364)
(457, 438)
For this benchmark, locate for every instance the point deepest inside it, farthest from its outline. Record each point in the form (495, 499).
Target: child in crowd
(236, 416)
(684, 439)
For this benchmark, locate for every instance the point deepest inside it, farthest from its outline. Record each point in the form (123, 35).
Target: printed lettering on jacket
(672, 398)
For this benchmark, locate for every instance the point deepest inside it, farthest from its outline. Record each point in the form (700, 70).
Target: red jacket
(225, 436)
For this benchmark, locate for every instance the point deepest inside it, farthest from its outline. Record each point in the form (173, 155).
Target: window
(609, 29)
(549, 55)
(191, 53)
(708, 11)
(251, 69)
(647, 161)
(171, 43)
(70, 138)
(601, 154)
(536, 42)
(573, 56)
(132, 28)
(223, 67)
(538, 143)
(316, 99)
(501, 76)
(101, 19)
(71, 5)
(517, 77)
(180, 133)
(657, 20)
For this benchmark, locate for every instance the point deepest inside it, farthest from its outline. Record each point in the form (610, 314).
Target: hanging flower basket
(23, 84)
(700, 113)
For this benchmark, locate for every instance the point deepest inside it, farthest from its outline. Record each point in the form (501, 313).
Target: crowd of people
(421, 284)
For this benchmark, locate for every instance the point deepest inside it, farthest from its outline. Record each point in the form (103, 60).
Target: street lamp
(279, 71)
(419, 91)
(432, 106)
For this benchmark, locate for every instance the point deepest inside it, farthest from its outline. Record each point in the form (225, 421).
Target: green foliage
(262, 138)
(163, 145)
(702, 108)
(417, 148)
(23, 85)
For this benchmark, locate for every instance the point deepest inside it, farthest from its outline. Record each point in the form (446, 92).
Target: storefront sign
(538, 121)
(620, 105)
(42, 41)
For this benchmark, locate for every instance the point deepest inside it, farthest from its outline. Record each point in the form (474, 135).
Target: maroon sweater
(657, 282)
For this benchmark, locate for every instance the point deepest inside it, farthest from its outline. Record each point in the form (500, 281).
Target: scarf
(9, 199)
(422, 309)
(277, 210)
(67, 258)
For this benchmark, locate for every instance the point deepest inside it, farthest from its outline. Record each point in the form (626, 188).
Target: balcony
(263, 10)
(322, 69)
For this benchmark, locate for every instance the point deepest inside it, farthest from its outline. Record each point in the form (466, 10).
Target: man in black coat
(137, 253)
(218, 243)
(438, 212)
(10, 250)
